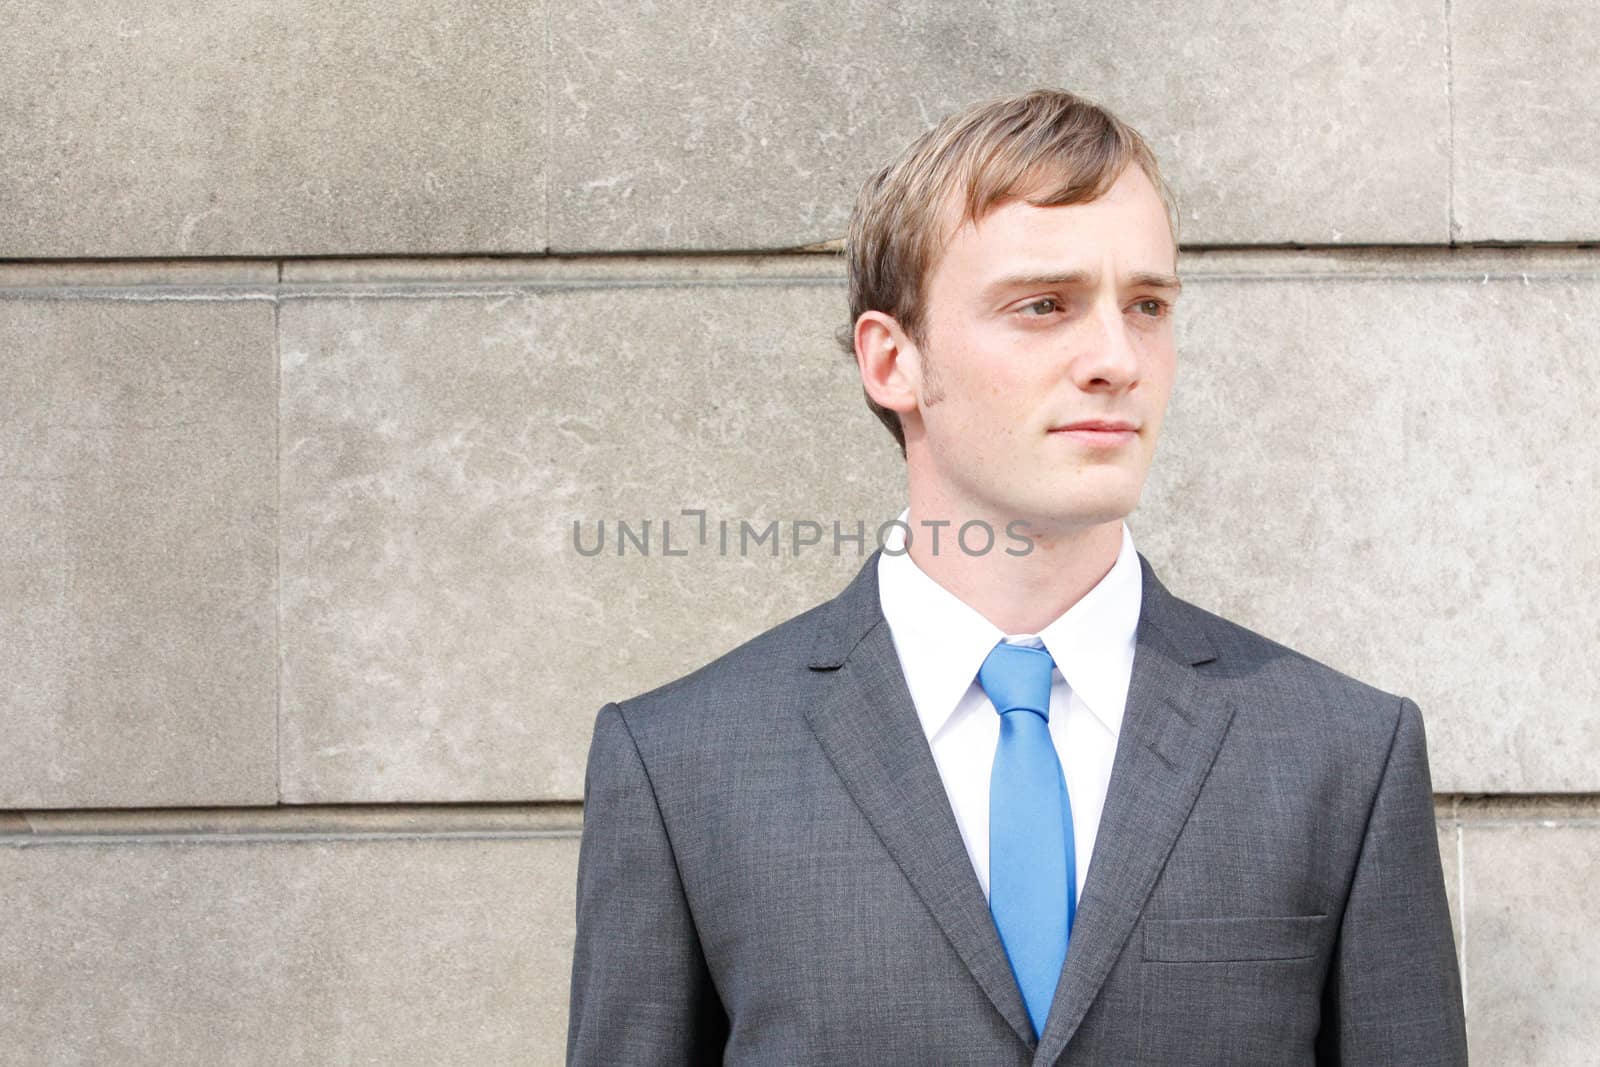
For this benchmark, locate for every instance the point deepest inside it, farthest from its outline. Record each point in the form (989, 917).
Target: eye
(1039, 308)
(1152, 307)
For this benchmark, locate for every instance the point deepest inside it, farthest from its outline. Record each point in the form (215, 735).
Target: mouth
(1098, 433)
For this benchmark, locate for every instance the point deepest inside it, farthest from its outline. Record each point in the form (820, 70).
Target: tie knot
(1017, 678)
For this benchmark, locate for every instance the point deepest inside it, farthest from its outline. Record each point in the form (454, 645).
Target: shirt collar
(942, 641)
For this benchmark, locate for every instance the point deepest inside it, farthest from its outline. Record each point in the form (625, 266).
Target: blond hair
(1047, 146)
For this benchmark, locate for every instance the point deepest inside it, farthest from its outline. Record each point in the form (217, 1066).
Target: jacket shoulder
(1262, 671)
(760, 672)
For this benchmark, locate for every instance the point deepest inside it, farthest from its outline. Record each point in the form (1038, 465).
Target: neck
(1020, 594)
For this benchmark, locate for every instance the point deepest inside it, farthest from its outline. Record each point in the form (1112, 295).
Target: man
(1018, 805)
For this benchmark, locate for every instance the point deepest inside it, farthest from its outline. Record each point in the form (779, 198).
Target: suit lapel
(868, 727)
(1172, 729)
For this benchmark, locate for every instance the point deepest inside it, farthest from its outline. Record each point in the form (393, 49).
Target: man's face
(1038, 319)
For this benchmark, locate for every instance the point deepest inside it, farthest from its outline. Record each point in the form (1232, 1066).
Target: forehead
(1127, 226)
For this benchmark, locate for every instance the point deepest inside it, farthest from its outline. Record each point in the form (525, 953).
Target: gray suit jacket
(771, 873)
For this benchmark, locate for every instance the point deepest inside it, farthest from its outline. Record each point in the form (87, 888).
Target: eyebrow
(1142, 279)
(1156, 281)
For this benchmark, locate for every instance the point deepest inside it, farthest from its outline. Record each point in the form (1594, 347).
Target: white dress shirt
(942, 642)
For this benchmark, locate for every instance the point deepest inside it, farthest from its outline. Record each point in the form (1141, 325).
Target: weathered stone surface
(443, 638)
(271, 128)
(287, 949)
(1530, 919)
(1389, 468)
(1527, 132)
(681, 125)
(137, 542)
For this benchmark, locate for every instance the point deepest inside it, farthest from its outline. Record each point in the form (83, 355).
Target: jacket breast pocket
(1238, 991)
(1233, 940)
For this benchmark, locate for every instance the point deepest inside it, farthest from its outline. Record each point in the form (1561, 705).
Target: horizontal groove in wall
(369, 822)
(527, 270)
(287, 823)
(1527, 809)
(489, 278)
(820, 250)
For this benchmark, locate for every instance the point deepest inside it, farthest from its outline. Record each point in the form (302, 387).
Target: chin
(1081, 501)
(1053, 518)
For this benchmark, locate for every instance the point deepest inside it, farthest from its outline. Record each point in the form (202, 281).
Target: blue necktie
(1033, 885)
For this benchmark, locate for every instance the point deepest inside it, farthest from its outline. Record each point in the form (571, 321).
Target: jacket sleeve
(1393, 993)
(641, 993)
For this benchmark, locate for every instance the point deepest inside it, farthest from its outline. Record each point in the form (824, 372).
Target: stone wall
(321, 327)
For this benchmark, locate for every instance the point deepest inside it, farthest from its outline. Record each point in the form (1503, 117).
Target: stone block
(443, 638)
(137, 552)
(272, 127)
(283, 948)
(1527, 132)
(1530, 917)
(1386, 463)
(686, 126)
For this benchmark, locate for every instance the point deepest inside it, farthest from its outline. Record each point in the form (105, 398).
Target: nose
(1107, 359)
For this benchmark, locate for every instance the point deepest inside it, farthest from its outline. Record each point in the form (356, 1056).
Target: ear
(890, 365)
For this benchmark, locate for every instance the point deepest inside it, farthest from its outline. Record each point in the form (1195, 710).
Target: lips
(1100, 435)
(1102, 425)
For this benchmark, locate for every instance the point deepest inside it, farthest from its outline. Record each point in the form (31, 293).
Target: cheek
(981, 415)
(1161, 366)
